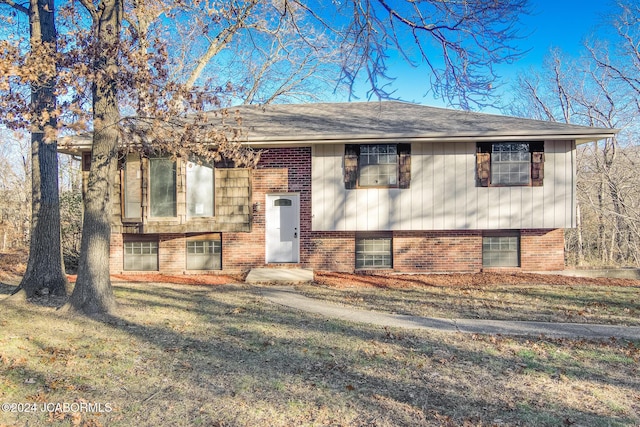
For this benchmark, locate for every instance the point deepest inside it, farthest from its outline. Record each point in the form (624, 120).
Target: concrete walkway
(288, 297)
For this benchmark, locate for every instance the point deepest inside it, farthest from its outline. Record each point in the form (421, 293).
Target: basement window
(204, 252)
(141, 255)
(374, 252)
(501, 250)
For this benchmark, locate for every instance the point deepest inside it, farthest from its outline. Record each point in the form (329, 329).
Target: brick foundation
(116, 257)
(542, 250)
(332, 251)
(437, 251)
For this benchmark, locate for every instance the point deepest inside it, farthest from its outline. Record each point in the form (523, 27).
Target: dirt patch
(203, 279)
(12, 266)
(400, 281)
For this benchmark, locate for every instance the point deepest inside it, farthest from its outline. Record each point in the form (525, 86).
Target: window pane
(374, 253)
(204, 255)
(199, 190)
(141, 256)
(162, 191)
(510, 164)
(378, 165)
(132, 187)
(501, 251)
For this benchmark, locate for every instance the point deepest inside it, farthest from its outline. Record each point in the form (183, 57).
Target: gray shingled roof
(361, 121)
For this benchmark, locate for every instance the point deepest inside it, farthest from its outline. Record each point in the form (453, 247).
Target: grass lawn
(190, 355)
(501, 297)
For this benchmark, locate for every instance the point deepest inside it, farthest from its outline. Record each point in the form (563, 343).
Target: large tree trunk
(93, 293)
(45, 270)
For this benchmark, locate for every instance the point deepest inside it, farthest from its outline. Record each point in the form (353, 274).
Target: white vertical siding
(438, 164)
(443, 194)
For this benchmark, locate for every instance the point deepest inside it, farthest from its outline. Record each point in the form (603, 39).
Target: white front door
(282, 224)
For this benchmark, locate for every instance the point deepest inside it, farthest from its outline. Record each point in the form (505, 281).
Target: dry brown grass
(12, 267)
(546, 298)
(223, 356)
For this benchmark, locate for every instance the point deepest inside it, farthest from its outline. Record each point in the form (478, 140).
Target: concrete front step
(279, 275)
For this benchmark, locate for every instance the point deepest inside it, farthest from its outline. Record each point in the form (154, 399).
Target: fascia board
(581, 138)
(78, 143)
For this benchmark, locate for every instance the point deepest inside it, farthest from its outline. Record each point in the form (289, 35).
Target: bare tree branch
(16, 6)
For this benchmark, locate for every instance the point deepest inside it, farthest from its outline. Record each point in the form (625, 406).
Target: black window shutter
(351, 153)
(404, 165)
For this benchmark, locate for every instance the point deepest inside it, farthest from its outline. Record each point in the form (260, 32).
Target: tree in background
(15, 192)
(293, 50)
(38, 112)
(598, 89)
(622, 59)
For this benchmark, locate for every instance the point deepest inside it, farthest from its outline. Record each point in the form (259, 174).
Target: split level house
(356, 186)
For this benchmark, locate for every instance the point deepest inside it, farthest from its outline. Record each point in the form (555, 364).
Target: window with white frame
(141, 255)
(200, 190)
(132, 186)
(374, 252)
(501, 250)
(510, 164)
(378, 165)
(204, 254)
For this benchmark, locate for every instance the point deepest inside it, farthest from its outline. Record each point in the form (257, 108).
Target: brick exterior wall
(437, 251)
(332, 251)
(280, 170)
(288, 170)
(172, 257)
(542, 250)
(116, 256)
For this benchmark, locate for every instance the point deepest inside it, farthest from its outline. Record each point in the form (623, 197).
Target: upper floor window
(162, 187)
(510, 164)
(200, 189)
(377, 165)
(132, 186)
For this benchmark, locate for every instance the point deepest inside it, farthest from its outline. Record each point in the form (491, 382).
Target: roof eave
(76, 144)
(580, 138)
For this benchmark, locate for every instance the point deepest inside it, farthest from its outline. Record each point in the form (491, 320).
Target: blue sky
(562, 24)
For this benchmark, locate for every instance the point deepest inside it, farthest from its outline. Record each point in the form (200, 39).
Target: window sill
(132, 220)
(508, 186)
